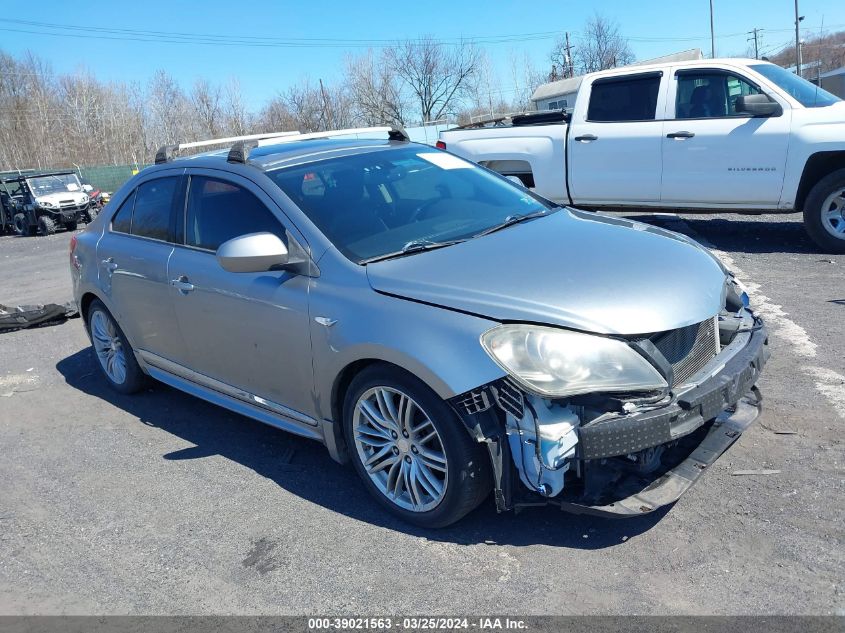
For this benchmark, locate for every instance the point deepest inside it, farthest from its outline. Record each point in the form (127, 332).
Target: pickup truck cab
(708, 135)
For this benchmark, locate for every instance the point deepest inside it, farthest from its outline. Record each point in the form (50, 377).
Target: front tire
(71, 226)
(46, 225)
(411, 450)
(114, 353)
(824, 213)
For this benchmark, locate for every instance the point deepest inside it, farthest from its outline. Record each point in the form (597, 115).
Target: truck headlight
(46, 204)
(556, 363)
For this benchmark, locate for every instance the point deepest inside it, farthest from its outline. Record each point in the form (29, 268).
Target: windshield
(43, 185)
(380, 202)
(807, 94)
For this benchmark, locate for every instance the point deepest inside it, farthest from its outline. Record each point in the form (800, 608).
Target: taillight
(74, 260)
(440, 145)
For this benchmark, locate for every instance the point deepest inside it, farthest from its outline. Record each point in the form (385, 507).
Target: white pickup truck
(708, 135)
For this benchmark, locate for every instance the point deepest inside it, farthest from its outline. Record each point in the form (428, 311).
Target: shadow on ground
(304, 468)
(742, 233)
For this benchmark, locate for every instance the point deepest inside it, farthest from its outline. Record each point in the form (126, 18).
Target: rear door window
(624, 99)
(153, 205)
(219, 210)
(122, 220)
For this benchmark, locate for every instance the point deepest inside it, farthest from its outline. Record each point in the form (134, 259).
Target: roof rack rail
(241, 145)
(167, 153)
(394, 133)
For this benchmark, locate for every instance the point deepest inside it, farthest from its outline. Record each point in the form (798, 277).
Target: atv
(41, 202)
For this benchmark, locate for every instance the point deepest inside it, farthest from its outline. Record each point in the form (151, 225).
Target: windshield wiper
(414, 246)
(516, 219)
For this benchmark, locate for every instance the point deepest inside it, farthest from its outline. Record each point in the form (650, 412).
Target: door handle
(109, 264)
(681, 135)
(587, 138)
(182, 284)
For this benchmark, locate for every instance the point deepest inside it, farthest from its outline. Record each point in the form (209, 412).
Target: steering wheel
(418, 213)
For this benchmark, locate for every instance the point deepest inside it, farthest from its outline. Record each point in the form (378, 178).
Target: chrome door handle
(587, 138)
(681, 135)
(109, 264)
(182, 284)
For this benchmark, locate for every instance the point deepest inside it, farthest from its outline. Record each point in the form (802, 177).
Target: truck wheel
(92, 213)
(71, 226)
(22, 226)
(824, 212)
(46, 225)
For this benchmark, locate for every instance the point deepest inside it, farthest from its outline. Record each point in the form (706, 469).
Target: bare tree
(601, 46)
(206, 109)
(375, 92)
(238, 121)
(437, 76)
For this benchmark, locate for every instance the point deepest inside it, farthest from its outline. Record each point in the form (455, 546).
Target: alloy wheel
(400, 449)
(108, 346)
(833, 214)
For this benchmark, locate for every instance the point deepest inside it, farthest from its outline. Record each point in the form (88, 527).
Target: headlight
(46, 204)
(557, 363)
(84, 199)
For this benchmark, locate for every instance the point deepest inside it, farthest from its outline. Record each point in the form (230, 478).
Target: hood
(78, 197)
(571, 269)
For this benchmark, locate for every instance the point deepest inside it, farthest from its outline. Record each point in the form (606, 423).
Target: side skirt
(295, 423)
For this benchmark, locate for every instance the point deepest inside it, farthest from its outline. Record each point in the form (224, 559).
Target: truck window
(632, 98)
(709, 94)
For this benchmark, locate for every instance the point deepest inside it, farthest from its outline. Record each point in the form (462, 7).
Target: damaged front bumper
(606, 475)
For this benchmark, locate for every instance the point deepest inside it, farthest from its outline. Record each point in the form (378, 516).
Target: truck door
(715, 155)
(614, 151)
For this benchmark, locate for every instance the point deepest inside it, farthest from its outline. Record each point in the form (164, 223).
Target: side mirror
(758, 105)
(253, 253)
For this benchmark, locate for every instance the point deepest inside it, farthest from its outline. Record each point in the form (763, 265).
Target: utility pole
(327, 113)
(797, 41)
(713, 37)
(756, 35)
(569, 70)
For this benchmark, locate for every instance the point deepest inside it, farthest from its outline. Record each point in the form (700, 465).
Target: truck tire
(46, 225)
(824, 213)
(22, 226)
(71, 226)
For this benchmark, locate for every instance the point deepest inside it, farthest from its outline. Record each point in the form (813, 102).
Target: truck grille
(690, 348)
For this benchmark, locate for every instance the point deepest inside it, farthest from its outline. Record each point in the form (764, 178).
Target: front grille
(690, 348)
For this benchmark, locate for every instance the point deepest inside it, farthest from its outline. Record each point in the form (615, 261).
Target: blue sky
(654, 27)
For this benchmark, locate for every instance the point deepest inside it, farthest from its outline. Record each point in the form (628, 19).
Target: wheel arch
(817, 167)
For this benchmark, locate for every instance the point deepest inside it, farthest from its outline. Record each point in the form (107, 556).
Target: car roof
(272, 156)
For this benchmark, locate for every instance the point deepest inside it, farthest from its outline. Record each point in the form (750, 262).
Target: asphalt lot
(161, 503)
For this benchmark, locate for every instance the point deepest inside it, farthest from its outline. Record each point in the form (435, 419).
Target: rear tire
(115, 356)
(22, 226)
(46, 225)
(431, 473)
(824, 213)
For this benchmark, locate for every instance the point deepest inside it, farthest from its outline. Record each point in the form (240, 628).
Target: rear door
(249, 332)
(132, 258)
(614, 152)
(715, 155)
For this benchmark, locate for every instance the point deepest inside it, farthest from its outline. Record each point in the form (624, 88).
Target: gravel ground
(161, 503)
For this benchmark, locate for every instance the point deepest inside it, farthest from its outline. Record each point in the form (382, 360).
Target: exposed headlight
(557, 363)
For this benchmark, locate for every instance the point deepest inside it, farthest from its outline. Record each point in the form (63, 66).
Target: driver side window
(219, 210)
(708, 95)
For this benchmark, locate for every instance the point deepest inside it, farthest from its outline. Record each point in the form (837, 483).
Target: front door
(614, 141)
(715, 155)
(248, 331)
(132, 258)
